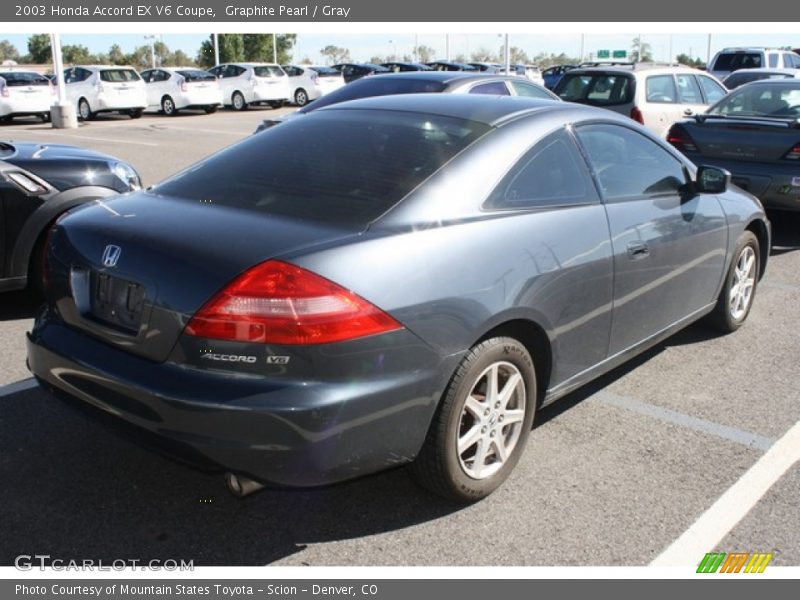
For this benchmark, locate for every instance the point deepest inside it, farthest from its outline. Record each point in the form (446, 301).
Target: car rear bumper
(776, 185)
(199, 98)
(293, 433)
(120, 102)
(34, 105)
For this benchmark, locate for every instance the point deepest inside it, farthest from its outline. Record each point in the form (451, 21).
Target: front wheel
(210, 109)
(736, 298)
(301, 97)
(275, 103)
(168, 106)
(135, 113)
(84, 110)
(482, 425)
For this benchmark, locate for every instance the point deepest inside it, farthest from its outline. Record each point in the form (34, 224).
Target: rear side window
(352, 166)
(733, 61)
(661, 89)
(268, 71)
(629, 165)
(688, 89)
(367, 88)
(495, 88)
(529, 90)
(773, 61)
(326, 72)
(712, 90)
(119, 75)
(598, 89)
(548, 175)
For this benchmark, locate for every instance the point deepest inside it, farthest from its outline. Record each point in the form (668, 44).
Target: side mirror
(712, 180)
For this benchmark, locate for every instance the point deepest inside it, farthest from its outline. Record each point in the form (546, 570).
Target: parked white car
(728, 60)
(25, 93)
(654, 95)
(170, 89)
(103, 88)
(309, 83)
(244, 84)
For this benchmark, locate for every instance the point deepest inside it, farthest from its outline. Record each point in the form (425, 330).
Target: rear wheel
(84, 110)
(237, 101)
(482, 425)
(301, 97)
(168, 106)
(736, 298)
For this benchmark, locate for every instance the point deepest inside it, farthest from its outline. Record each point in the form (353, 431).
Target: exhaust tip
(241, 486)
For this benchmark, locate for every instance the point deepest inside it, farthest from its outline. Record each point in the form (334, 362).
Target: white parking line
(740, 436)
(714, 524)
(19, 386)
(98, 139)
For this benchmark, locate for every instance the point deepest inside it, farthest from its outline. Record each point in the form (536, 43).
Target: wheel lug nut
(497, 405)
(483, 429)
(486, 412)
(501, 418)
(492, 434)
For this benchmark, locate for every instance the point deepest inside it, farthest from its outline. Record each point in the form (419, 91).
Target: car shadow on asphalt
(18, 305)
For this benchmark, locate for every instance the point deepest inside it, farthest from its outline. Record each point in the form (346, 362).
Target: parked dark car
(352, 72)
(743, 76)
(39, 183)
(403, 67)
(553, 75)
(485, 257)
(446, 82)
(485, 67)
(447, 65)
(753, 132)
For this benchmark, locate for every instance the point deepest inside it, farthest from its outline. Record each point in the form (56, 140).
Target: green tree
(8, 51)
(116, 56)
(258, 47)
(76, 54)
(39, 48)
(640, 50)
(140, 58)
(335, 54)
(687, 60)
(231, 49)
(179, 58)
(483, 55)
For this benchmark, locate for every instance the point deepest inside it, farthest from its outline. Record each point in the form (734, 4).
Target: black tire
(300, 97)
(168, 106)
(44, 117)
(237, 101)
(440, 466)
(135, 113)
(6, 119)
(210, 109)
(85, 111)
(729, 314)
(275, 103)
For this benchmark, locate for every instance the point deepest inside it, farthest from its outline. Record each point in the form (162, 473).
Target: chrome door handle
(638, 250)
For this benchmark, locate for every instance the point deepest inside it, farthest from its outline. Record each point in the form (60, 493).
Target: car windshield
(761, 100)
(268, 71)
(599, 89)
(377, 86)
(352, 166)
(191, 75)
(119, 75)
(15, 78)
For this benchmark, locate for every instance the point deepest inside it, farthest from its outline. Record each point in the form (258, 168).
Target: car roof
(447, 77)
(649, 68)
(103, 67)
(793, 83)
(483, 108)
(775, 70)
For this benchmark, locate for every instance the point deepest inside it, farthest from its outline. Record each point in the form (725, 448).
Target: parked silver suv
(728, 60)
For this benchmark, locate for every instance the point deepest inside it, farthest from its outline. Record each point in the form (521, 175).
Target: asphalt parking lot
(613, 474)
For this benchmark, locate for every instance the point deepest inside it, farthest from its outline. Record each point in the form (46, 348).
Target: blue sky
(363, 46)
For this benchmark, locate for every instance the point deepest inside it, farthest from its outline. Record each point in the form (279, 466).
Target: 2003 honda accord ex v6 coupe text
(408, 285)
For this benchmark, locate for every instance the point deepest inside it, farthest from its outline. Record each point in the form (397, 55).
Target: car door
(668, 243)
(661, 108)
(712, 90)
(153, 97)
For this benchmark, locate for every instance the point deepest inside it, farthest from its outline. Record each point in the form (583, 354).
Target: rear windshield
(742, 77)
(14, 78)
(385, 156)
(597, 89)
(776, 100)
(191, 75)
(734, 61)
(268, 71)
(326, 72)
(119, 75)
(366, 88)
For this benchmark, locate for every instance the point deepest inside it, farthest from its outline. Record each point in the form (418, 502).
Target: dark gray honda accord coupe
(407, 285)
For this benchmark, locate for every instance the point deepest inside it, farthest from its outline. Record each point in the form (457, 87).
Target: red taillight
(794, 153)
(637, 115)
(681, 139)
(279, 303)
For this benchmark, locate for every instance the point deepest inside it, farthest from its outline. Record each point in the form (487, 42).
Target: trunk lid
(746, 139)
(132, 271)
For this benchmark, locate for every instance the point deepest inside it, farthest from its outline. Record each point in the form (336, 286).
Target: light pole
(152, 39)
(216, 49)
